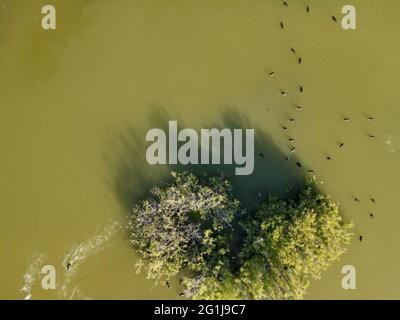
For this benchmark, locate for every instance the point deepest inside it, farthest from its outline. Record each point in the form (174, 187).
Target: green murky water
(76, 102)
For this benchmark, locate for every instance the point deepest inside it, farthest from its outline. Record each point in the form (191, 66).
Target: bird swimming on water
(372, 215)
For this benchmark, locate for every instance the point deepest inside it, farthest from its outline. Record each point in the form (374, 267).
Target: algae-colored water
(76, 102)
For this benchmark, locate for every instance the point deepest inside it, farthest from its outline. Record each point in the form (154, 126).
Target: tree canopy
(195, 228)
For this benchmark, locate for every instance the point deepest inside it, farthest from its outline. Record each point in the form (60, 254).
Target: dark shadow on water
(271, 175)
(132, 177)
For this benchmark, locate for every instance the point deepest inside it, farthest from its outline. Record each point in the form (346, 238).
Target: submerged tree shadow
(132, 177)
(272, 173)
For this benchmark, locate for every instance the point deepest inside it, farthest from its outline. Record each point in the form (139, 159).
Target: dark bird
(373, 200)
(168, 284)
(285, 3)
(293, 50)
(371, 118)
(301, 88)
(347, 119)
(299, 107)
(300, 60)
(298, 164)
(284, 128)
(371, 136)
(361, 238)
(271, 74)
(328, 158)
(293, 149)
(283, 93)
(334, 18)
(261, 155)
(341, 145)
(356, 199)
(372, 215)
(308, 9)
(311, 171)
(286, 159)
(282, 26)
(181, 294)
(292, 120)
(291, 139)
(69, 266)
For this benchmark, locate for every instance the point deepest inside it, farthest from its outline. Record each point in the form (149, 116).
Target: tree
(291, 241)
(183, 226)
(283, 244)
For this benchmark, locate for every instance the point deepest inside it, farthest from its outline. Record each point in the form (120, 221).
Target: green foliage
(186, 228)
(297, 238)
(183, 226)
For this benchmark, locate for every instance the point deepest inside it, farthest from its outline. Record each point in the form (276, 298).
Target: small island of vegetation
(194, 228)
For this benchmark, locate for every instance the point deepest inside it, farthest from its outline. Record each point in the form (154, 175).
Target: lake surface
(76, 103)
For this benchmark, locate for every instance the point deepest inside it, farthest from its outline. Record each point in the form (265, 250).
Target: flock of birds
(300, 108)
(292, 120)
